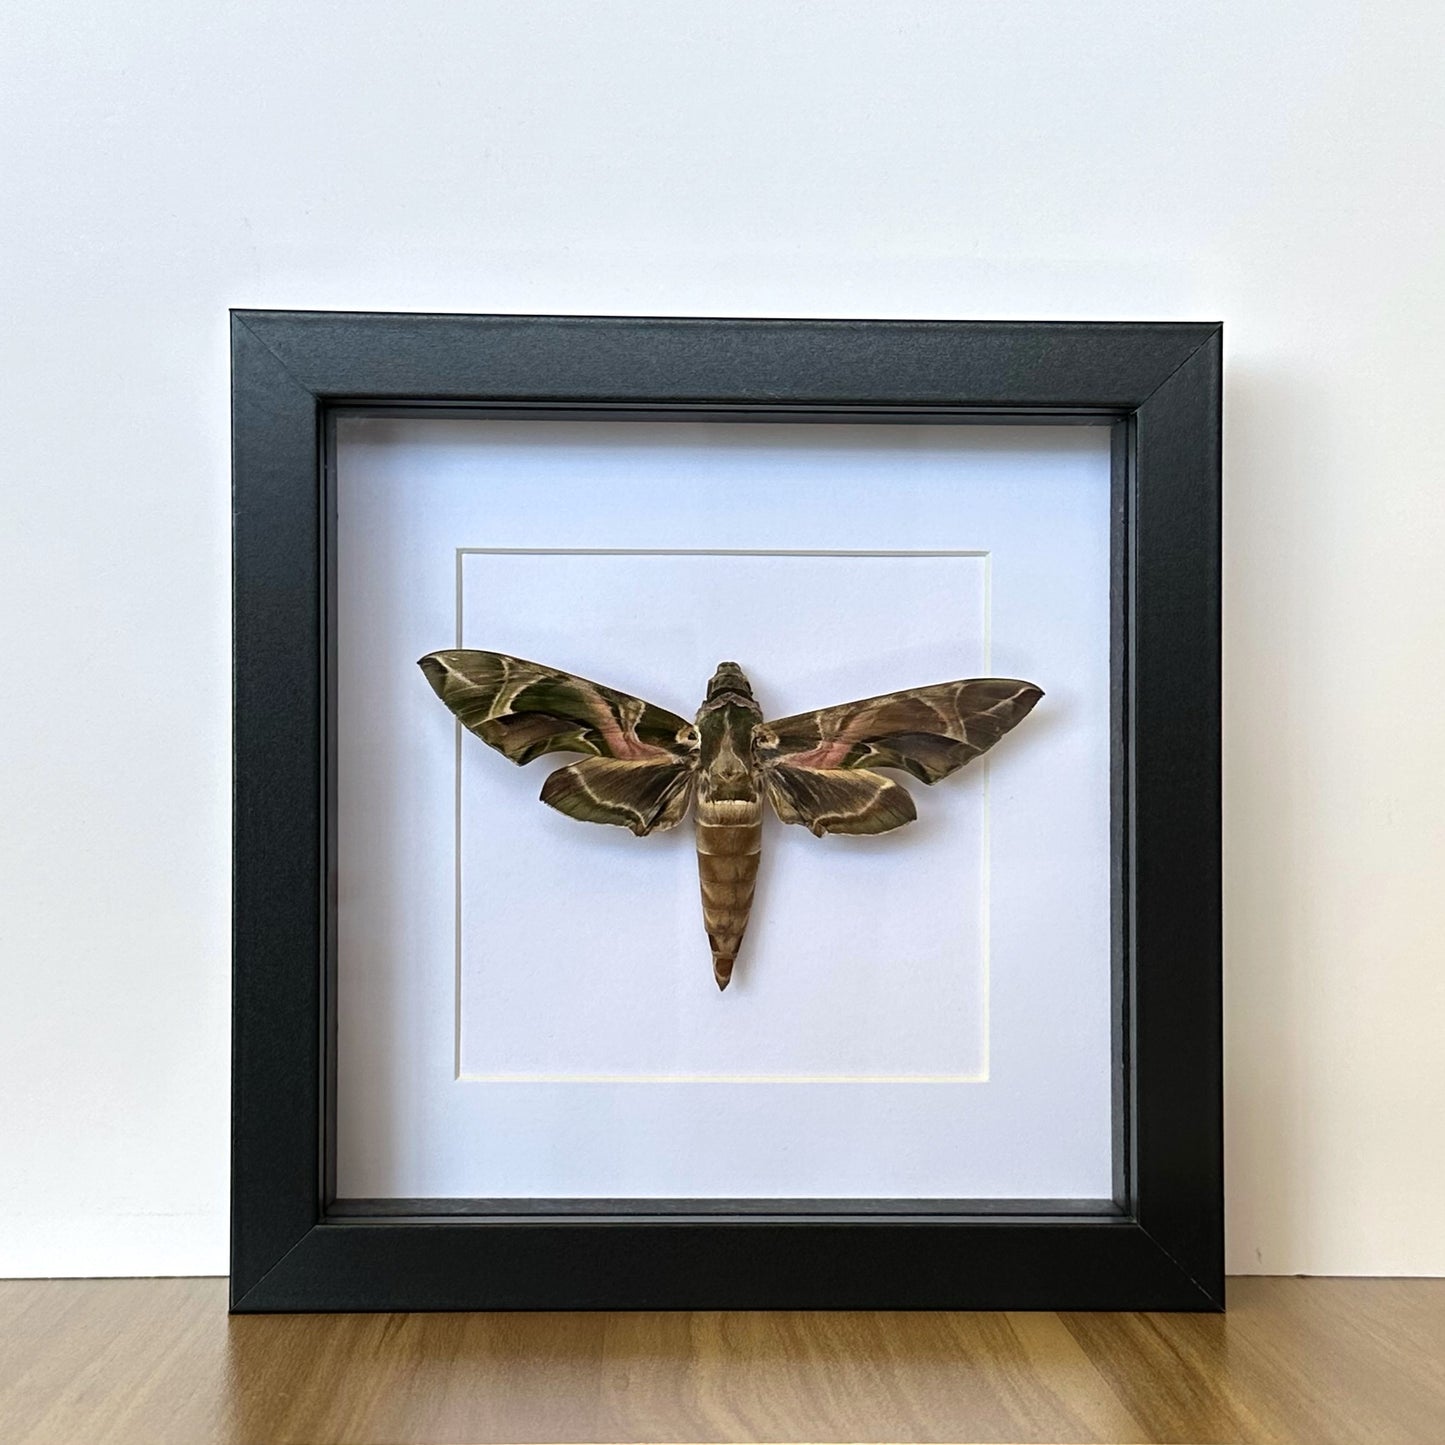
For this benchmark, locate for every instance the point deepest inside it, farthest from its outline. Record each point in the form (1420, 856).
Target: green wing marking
(525, 710)
(646, 797)
(643, 758)
(838, 800)
(928, 732)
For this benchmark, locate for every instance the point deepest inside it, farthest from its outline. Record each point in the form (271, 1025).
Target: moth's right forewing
(926, 731)
(820, 768)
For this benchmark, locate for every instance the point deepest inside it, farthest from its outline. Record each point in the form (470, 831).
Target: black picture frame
(1157, 1244)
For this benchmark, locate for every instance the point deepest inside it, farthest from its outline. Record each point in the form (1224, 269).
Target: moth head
(729, 677)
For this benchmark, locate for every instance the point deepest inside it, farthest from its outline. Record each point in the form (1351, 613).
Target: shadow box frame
(1156, 1244)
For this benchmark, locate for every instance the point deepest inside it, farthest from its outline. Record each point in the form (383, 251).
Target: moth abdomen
(729, 839)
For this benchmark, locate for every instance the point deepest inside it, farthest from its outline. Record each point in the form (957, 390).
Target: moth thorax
(729, 678)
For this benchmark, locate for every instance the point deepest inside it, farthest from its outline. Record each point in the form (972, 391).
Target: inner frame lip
(347, 1212)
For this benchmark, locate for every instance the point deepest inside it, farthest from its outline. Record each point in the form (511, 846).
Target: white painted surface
(1271, 164)
(527, 1004)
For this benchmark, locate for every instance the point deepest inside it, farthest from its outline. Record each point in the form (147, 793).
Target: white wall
(1276, 165)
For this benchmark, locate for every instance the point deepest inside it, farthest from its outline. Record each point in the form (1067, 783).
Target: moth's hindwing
(648, 797)
(838, 800)
(643, 758)
(525, 710)
(927, 732)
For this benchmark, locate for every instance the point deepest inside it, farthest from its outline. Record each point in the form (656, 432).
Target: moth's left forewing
(524, 710)
(928, 732)
(644, 758)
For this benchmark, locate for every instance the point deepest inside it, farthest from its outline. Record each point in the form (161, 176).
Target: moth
(646, 765)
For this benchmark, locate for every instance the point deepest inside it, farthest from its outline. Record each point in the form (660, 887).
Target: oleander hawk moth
(644, 765)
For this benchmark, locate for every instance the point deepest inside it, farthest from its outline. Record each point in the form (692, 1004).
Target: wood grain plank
(1308, 1360)
(120, 1361)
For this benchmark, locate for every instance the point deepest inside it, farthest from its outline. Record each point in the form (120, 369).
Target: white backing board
(526, 1005)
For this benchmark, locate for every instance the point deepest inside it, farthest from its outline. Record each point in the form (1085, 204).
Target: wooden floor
(86, 1362)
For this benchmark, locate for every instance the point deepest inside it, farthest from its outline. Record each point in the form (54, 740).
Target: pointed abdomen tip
(722, 970)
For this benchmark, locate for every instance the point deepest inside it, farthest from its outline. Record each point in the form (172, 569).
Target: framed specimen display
(943, 595)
